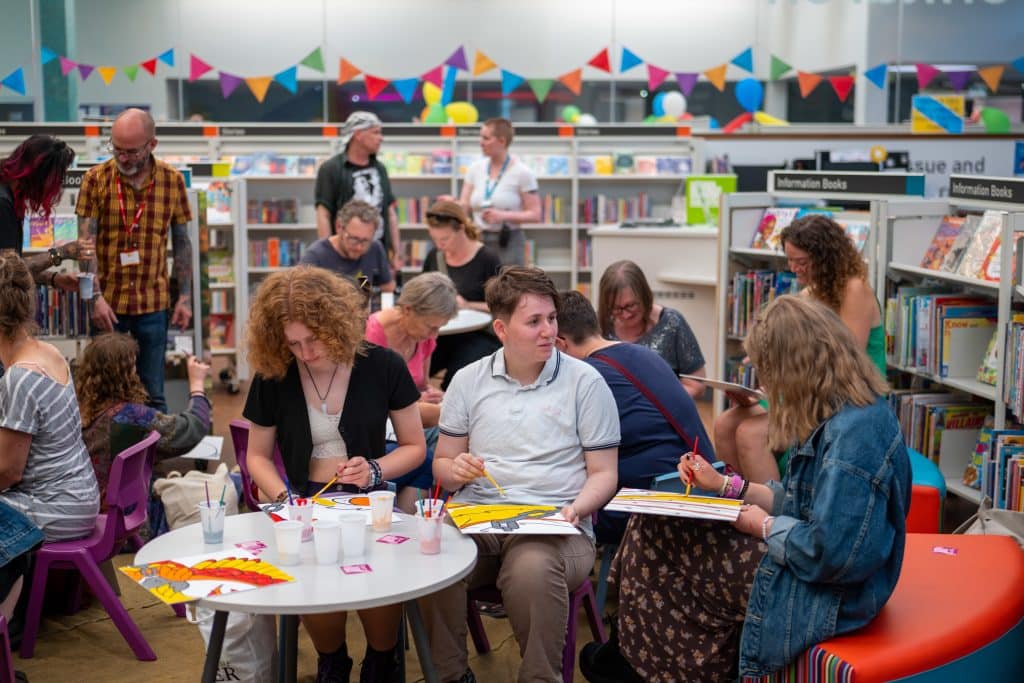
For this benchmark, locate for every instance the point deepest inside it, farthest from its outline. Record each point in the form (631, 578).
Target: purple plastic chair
(127, 498)
(6, 661)
(240, 440)
(583, 595)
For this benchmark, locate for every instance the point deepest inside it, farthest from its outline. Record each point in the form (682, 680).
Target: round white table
(467, 320)
(400, 574)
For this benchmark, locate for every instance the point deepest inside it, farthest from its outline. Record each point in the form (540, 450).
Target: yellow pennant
(992, 75)
(717, 76)
(482, 64)
(259, 85)
(107, 73)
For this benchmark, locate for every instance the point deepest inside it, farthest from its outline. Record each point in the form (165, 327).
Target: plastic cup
(211, 516)
(353, 534)
(288, 535)
(85, 281)
(382, 503)
(429, 531)
(326, 540)
(304, 514)
(387, 300)
(433, 505)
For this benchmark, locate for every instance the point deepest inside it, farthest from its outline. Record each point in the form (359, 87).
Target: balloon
(431, 93)
(570, 113)
(766, 119)
(687, 116)
(650, 118)
(462, 112)
(658, 105)
(586, 120)
(434, 113)
(674, 104)
(995, 120)
(737, 122)
(666, 118)
(713, 123)
(750, 93)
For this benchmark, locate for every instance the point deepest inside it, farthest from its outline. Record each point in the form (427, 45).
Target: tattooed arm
(102, 314)
(182, 247)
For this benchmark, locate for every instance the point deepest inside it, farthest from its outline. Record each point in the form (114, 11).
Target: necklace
(323, 399)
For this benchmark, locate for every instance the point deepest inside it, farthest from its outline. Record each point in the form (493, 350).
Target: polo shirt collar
(547, 375)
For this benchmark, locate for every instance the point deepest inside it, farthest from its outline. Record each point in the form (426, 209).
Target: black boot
(335, 667)
(380, 667)
(604, 663)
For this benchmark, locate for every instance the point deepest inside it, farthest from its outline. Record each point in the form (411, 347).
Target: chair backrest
(240, 440)
(127, 497)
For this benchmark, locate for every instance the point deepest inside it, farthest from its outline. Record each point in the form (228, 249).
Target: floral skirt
(683, 588)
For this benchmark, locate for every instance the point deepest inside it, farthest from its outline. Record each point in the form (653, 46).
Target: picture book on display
(942, 242)
(952, 259)
(702, 197)
(774, 220)
(984, 240)
(640, 501)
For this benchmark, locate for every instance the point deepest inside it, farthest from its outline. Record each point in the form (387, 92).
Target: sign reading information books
(1003, 190)
(853, 183)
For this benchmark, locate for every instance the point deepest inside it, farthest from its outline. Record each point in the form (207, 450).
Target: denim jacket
(836, 544)
(19, 534)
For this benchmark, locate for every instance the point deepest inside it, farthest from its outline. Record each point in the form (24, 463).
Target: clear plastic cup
(85, 282)
(382, 503)
(211, 516)
(288, 535)
(433, 505)
(303, 513)
(429, 531)
(326, 540)
(353, 534)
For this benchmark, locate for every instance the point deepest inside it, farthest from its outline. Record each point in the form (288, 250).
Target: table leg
(289, 655)
(419, 637)
(220, 621)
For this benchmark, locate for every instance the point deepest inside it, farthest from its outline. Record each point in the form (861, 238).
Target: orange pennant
(842, 85)
(374, 85)
(992, 75)
(107, 73)
(258, 85)
(808, 82)
(717, 76)
(572, 80)
(482, 64)
(346, 71)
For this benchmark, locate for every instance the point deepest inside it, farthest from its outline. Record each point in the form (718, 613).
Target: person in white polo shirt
(545, 426)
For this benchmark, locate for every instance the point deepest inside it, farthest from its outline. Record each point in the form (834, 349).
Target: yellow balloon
(666, 118)
(431, 93)
(462, 113)
(766, 119)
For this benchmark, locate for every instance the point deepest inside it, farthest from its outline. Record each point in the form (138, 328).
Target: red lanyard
(138, 211)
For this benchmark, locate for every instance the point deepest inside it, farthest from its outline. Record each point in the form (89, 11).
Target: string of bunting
(106, 72)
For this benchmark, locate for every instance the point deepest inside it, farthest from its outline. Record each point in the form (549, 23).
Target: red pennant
(842, 85)
(601, 61)
(435, 76)
(375, 86)
(149, 65)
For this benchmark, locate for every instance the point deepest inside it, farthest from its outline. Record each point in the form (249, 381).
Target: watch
(55, 258)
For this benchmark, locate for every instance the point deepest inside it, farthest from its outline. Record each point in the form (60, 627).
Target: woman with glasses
(627, 312)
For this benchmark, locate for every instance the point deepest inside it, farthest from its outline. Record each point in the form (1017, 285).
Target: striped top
(142, 288)
(58, 489)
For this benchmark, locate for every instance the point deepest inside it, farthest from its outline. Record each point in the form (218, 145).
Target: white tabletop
(467, 320)
(400, 572)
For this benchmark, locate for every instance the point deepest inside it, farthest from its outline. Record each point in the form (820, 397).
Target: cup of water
(211, 517)
(288, 535)
(353, 534)
(85, 282)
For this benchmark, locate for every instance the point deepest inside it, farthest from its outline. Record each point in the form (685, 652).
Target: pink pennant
(228, 84)
(686, 82)
(435, 75)
(85, 70)
(197, 67)
(925, 74)
(66, 66)
(655, 76)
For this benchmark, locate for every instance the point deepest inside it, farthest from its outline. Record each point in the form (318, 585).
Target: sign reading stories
(847, 183)
(1005, 190)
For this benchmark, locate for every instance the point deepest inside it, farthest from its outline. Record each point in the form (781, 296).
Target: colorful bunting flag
(540, 87)
(374, 85)
(406, 88)
(573, 81)
(925, 74)
(842, 85)
(347, 71)
(46, 55)
(167, 57)
(435, 76)
(877, 75)
(66, 66)
(509, 82)
(744, 60)
(779, 68)
(289, 79)
(629, 60)
(601, 61)
(458, 59)
(992, 75)
(258, 85)
(958, 79)
(482, 64)
(808, 82)
(1017, 64)
(15, 81)
(85, 70)
(149, 65)
(686, 82)
(448, 90)
(228, 84)
(131, 71)
(655, 76)
(314, 60)
(107, 73)
(717, 76)
(197, 68)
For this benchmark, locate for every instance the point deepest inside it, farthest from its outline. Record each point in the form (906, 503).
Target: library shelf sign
(977, 188)
(854, 183)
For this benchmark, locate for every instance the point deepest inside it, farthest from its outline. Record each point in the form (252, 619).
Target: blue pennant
(406, 88)
(46, 55)
(877, 75)
(167, 57)
(288, 79)
(744, 60)
(15, 81)
(509, 82)
(1018, 64)
(629, 60)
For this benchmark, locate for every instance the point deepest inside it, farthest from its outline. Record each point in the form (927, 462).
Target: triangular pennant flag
(374, 85)
(744, 60)
(289, 79)
(228, 84)
(131, 71)
(958, 79)
(66, 66)
(629, 60)
(314, 60)
(540, 87)
(655, 76)
(600, 61)
(448, 89)
(15, 81)
(509, 82)
(259, 85)
(779, 68)
(149, 65)
(458, 59)
(435, 76)
(198, 67)
(1017, 64)
(46, 55)
(717, 76)
(482, 64)
(85, 70)
(346, 71)
(686, 82)
(992, 75)
(877, 75)
(167, 57)
(808, 82)
(925, 74)
(842, 85)
(107, 73)
(406, 88)
(573, 81)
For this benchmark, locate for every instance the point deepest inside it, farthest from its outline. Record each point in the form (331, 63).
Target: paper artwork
(674, 505)
(510, 519)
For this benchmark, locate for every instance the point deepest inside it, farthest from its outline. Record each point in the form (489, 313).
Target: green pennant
(540, 87)
(779, 68)
(131, 72)
(314, 60)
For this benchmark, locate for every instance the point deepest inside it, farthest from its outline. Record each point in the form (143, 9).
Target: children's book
(510, 519)
(774, 220)
(639, 501)
(951, 261)
(703, 193)
(65, 229)
(943, 240)
(982, 242)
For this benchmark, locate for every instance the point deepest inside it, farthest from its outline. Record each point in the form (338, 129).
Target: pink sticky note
(944, 550)
(356, 569)
(254, 547)
(392, 539)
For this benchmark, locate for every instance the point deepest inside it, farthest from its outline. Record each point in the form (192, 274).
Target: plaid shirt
(142, 288)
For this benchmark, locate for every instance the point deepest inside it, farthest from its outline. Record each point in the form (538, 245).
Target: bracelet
(732, 488)
(375, 475)
(764, 527)
(743, 489)
(725, 485)
(281, 497)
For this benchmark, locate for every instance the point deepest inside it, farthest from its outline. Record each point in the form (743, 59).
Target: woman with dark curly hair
(112, 401)
(322, 395)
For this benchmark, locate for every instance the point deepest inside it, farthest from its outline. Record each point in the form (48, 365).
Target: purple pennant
(228, 83)
(458, 59)
(958, 79)
(84, 70)
(686, 82)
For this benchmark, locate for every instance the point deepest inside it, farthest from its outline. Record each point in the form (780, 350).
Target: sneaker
(495, 610)
(467, 677)
(335, 667)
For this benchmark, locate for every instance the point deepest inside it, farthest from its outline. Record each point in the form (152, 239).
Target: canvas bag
(994, 522)
(249, 653)
(181, 494)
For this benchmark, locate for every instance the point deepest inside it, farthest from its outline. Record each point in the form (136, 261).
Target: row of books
(435, 162)
(413, 210)
(584, 288)
(605, 209)
(749, 291)
(554, 209)
(220, 301)
(268, 163)
(275, 252)
(43, 233)
(272, 210)
(627, 163)
(997, 466)
(222, 330)
(775, 219)
(60, 313)
(1013, 385)
(218, 202)
(584, 253)
(967, 246)
(438, 162)
(415, 252)
(220, 264)
(738, 372)
(940, 425)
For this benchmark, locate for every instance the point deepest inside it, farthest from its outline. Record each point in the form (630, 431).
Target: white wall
(15, 45)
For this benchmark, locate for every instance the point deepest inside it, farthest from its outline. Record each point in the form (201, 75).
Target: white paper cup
(85, 282)
(429, 532)
(382, 503)
(211, 517)
(304, 514)
(353, 534)
(288, 535)
(326, 540)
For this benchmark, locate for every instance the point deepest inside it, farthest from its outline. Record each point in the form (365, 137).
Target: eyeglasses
(631, 307)
(118, 151)
(356, 241)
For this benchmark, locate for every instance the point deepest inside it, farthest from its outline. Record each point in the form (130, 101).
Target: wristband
(375, 475)
(743, 489)
(733, 486)
(725, 485)
(281, 497)
(764, 527)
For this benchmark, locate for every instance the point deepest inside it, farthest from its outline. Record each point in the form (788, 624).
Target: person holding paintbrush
(809, 558)
(322, 395)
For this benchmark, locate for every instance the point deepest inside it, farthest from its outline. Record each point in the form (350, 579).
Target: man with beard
(128, 204)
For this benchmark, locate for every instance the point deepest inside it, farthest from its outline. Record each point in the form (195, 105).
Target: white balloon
(674, 104)
(586, 120)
